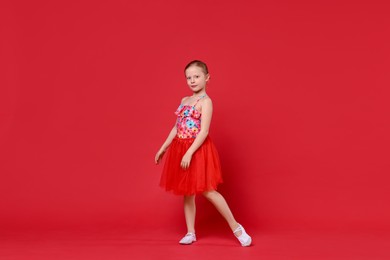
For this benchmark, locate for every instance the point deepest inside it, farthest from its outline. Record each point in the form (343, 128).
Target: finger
(183, 165)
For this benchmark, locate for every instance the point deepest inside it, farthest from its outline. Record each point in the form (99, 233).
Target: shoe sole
(181, 243)
(186, 244)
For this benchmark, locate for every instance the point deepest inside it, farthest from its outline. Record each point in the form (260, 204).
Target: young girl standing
(192, 164)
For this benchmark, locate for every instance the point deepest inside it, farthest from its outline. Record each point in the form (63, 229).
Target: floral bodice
(188, 121)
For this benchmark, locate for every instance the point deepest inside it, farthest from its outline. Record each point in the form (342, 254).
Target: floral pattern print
(188, 121)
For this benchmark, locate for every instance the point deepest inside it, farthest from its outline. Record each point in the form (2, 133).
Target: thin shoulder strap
(199, 99)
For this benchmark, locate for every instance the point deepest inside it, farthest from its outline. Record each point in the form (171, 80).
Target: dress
(204, 172)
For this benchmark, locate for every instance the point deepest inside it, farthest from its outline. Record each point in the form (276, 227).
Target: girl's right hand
(159, 156)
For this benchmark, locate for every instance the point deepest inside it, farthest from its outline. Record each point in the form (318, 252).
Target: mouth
(194, 86)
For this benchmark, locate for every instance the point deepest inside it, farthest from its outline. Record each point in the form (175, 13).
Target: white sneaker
(188, 239)
(244, 238)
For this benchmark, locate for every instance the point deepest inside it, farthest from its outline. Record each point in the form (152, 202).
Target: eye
(196, 76)
(188, 77)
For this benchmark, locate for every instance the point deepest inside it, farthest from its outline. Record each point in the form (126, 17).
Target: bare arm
(207, 112)
(165, 145)
(168, 141)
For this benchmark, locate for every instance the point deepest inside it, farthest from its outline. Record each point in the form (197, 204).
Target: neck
(199, 94)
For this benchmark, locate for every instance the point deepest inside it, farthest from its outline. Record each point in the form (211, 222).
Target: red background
(301, 120)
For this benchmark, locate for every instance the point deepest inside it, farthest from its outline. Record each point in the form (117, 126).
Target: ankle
(237, 231)
(234, 226)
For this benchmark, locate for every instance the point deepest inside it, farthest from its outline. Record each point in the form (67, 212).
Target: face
(196, 78)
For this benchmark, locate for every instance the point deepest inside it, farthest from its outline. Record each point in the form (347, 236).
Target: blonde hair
(199, 64)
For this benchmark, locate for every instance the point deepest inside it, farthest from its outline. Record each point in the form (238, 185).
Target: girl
(192, 165)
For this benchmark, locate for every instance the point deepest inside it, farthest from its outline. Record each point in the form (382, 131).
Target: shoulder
(205, 104)
(183, 99)
(206, 101)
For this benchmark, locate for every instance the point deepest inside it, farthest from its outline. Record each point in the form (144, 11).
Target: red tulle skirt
(203, 174)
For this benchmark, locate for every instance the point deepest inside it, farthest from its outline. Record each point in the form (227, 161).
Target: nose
(192, 79)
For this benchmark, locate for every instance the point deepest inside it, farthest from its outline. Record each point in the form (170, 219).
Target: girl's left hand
(185, 162)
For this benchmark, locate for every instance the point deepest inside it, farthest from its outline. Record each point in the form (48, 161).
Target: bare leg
(221, 205)
(190, 212)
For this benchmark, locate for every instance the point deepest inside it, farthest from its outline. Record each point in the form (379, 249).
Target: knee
(210, 195)
(189, 199)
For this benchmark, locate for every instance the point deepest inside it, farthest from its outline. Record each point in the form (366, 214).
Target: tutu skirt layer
(203, 174)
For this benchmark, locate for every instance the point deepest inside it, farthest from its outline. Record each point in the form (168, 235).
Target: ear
(207, 77)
